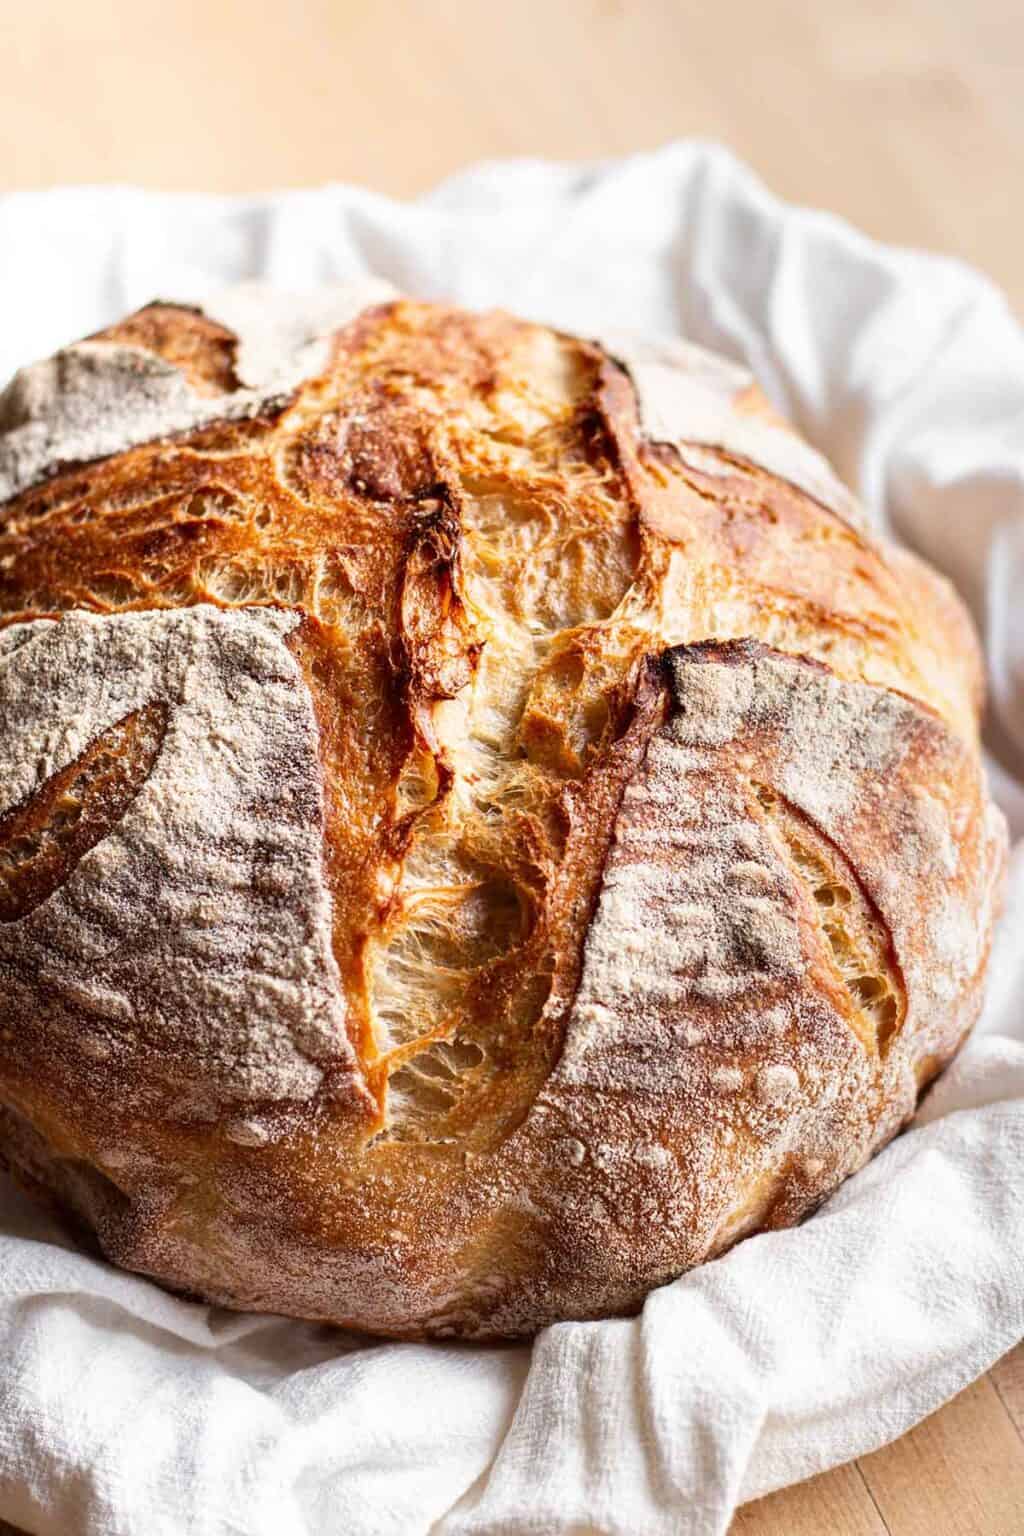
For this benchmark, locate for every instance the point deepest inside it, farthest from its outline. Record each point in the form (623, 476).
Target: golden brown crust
(201, 350)
(650, 822)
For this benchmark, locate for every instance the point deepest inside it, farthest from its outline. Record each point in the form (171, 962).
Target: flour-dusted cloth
(124, 1412)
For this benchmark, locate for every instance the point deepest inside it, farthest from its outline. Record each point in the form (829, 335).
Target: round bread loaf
(483, 823)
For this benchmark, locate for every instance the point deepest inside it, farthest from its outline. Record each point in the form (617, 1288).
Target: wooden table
(959, 1473)
(907, 116)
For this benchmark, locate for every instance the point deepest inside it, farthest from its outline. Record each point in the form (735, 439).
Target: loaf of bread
(484, 825)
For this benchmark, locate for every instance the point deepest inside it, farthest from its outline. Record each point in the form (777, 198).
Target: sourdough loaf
(483, 823)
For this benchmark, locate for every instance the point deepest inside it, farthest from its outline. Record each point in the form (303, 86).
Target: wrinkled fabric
(125, 1412)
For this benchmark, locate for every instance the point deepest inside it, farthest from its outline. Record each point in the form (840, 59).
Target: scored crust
(483, 824)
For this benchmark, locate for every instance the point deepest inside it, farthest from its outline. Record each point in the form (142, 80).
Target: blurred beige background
(907, 116)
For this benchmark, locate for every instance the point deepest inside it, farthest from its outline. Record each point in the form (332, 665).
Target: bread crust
(484, 825)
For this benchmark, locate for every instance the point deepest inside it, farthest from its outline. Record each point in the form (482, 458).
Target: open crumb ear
(858, 938)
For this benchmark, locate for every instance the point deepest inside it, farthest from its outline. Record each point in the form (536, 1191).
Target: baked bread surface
(483, 823)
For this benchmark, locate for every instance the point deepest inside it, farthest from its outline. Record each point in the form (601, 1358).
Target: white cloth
(125, 1411)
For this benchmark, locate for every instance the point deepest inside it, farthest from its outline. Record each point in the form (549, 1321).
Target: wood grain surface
(959, 1473)
(906, 116)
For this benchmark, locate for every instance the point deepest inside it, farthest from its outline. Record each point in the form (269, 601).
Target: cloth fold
(125, 1412)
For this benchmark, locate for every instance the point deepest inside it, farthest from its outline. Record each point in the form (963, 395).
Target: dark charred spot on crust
(376, 449)
(730, 653)
(384, 451)
(718, 653)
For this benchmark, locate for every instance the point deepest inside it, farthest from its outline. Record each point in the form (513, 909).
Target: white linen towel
(124, 1412)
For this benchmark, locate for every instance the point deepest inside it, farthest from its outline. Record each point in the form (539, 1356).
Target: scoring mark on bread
(856, 933)
(687, 395)
(43, 839)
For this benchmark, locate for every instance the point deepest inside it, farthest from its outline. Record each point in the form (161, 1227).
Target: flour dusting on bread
(99, 397)
(193, 941)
